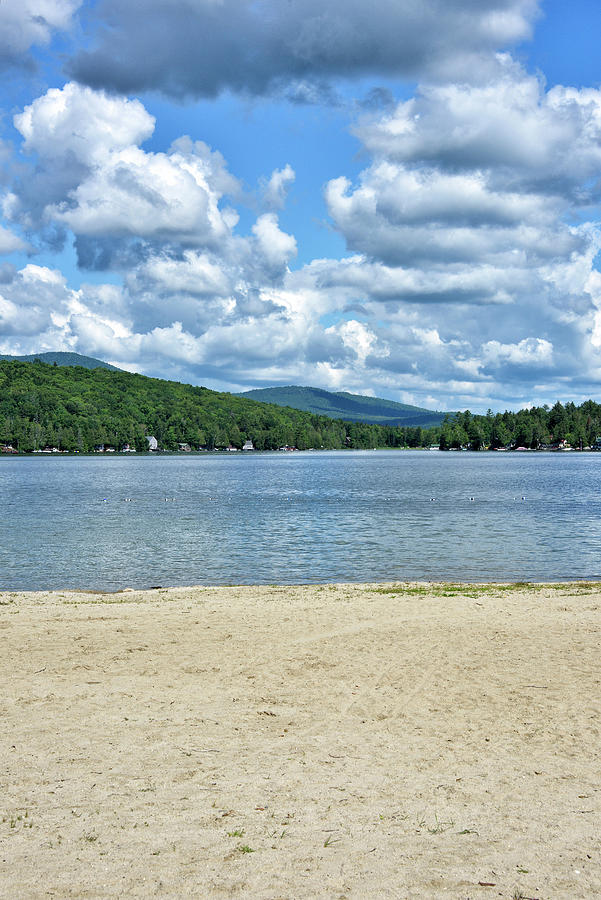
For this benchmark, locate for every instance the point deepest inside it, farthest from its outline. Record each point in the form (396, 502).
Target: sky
(391, 198)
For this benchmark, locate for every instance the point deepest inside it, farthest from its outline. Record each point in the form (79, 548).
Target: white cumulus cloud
(276, 189)
(528, 352)
(96, 180)
(24, 23)
(76, 122)
(10, 242)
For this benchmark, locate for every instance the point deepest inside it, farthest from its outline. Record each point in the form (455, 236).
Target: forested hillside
(73, 408)
(61, 358)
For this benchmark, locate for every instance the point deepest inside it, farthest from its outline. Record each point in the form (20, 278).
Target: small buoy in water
(471, 498)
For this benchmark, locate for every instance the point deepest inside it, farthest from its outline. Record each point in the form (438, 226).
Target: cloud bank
(469, 276)
(207, 47)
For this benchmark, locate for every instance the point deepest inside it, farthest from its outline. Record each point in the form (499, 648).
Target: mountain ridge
(347, 406)
(62, 358)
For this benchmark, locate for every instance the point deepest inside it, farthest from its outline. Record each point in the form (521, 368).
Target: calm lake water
(112, 522)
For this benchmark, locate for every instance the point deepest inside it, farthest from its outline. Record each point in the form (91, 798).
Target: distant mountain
(64, 359)
(350, 407)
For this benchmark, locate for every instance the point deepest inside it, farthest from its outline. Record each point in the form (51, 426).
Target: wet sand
(347, 741)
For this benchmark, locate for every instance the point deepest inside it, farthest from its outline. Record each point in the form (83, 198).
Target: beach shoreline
(344, 740)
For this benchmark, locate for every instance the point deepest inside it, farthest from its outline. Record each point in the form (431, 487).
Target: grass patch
(437, 827)
(18, 820)
(455, 589)
(331, 840)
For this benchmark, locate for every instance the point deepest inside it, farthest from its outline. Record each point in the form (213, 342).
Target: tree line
(77, 409)
(533, 429)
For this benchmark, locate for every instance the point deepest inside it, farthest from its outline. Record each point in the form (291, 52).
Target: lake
(109, 522)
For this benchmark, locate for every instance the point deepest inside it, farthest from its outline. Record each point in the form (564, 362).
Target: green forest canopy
(78, 409)
(64, 359)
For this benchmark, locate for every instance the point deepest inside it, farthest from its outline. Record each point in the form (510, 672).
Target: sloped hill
(64, 359)
(350, 407)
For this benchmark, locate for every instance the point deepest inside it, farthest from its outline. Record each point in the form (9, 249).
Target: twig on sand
(189, 750)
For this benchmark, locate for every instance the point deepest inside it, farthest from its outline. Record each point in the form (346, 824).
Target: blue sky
(388, 198)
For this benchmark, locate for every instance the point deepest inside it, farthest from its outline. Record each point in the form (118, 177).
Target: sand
(348, 741)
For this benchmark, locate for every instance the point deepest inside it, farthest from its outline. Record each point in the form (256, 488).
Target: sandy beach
(347, 741)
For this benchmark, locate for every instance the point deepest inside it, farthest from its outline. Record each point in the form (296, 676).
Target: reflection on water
(111, 522)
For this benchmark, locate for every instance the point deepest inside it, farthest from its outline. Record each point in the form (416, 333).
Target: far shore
(338, 741)
(10, 452)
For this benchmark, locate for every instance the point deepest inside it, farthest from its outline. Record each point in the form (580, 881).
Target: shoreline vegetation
(51, 408)
(9, 450)
(406, 740)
